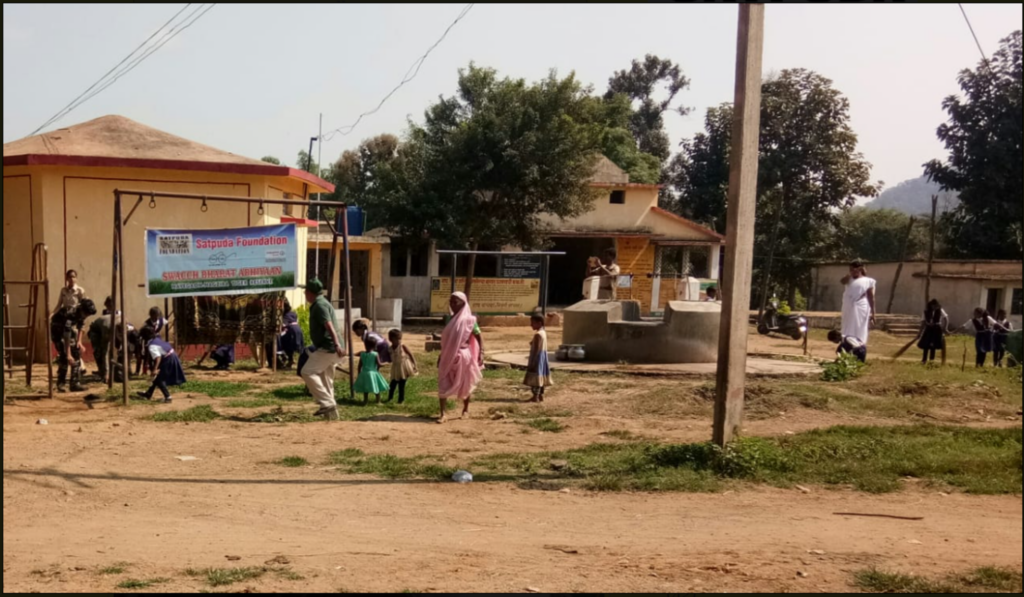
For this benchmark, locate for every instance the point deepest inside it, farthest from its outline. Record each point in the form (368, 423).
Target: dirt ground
(98, 497)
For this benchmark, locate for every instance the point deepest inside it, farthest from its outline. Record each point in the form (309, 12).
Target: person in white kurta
(859, 304)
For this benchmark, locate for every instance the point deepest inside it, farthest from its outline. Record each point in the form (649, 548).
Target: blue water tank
(356, 221)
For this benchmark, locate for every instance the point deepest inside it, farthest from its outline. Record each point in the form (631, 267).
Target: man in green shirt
(328, 351)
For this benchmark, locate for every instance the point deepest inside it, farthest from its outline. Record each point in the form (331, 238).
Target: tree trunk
(771, 257)
(471, 269)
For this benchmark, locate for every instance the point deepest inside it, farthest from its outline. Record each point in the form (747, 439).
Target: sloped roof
(116, 141)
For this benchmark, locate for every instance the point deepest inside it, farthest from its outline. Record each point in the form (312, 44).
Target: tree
(877, 235)
(619, 145)
(271, 160)
(304, 162)
(639, 84)
(490, 161)
(809, 173)
(983, 137)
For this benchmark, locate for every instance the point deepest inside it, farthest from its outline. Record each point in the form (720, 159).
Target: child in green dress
(370, 380)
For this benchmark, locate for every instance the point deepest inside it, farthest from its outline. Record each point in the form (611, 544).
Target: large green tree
(877, 235)
(809, 173)
(641, 84)
(983, 137)
(489, 161)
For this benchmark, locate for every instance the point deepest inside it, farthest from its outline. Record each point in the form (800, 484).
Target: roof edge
(664, 212)
(188, 166)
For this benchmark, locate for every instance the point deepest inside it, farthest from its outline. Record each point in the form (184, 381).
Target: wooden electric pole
(931, 248)
(739, 244)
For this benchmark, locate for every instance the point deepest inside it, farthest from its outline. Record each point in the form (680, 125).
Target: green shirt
(320, 314)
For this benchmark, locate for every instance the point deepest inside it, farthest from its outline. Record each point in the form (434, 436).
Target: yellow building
(654, 245)
(59, 190)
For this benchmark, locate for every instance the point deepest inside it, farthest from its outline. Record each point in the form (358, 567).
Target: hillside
(914, 197)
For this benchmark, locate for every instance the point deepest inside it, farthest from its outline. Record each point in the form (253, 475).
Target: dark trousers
(400, 386)
(929, 355)
(62, 342)
(982, 357)
(999, 352)
(158, 384)
(100, 346)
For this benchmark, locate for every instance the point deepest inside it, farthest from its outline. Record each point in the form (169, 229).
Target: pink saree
(459, 370)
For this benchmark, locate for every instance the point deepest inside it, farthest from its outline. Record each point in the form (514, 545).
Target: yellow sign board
(491, 296)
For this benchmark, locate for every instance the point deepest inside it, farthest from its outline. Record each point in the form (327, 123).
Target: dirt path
(96, 488)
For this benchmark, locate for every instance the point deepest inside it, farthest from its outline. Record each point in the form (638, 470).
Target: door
(994, 300)
(361, 281)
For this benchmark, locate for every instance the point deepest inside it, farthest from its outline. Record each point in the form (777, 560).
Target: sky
(253, 79)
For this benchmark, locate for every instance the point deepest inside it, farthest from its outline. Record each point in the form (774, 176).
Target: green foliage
(136, 585)
(115, 569)
(293, 462)
(809, 167)
(785, 309)
(215, 389)
(982, 580)
(845, 368)
(870, 459)
(303, 314)
(986, 164)
(877, 235)
(271, 160)
(639, 85)
(304, 162)
(546, 425)
(198, 414)
(355, 462)
(222, 577)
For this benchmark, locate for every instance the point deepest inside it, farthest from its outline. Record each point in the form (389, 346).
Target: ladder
(38, 288)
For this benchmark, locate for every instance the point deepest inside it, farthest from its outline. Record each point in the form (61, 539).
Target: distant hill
(914, 197)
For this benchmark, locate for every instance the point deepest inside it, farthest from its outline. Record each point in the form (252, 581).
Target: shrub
(844, 368)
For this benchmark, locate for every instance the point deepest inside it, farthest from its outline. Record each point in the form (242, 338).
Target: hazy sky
(252, 79)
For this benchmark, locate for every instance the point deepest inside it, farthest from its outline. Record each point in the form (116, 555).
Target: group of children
(991, 335)
(379, 352)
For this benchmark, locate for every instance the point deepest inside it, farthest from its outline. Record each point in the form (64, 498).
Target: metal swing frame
(118, 277)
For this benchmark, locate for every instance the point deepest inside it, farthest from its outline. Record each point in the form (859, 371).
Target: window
(399, 260)
(419, 265)
(1016, 308)
(618, 198)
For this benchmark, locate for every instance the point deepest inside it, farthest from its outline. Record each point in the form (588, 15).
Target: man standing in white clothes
(858, 303)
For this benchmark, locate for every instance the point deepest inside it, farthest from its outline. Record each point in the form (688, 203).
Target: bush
(744, 459)
(844, 368)
(303, 315)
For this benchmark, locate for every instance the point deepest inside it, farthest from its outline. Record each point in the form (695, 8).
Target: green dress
(370, 380)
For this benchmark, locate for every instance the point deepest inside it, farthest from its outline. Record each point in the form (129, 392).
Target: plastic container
(462, 477)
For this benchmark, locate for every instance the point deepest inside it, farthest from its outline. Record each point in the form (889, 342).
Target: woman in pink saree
(460, 368)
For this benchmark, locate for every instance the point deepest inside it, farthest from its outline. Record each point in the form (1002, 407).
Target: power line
(975, 35)
(168, 36)
(409, 76)
(106, 80)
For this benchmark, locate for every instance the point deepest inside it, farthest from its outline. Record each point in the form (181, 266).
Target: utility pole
(739, 244)
(931, 248)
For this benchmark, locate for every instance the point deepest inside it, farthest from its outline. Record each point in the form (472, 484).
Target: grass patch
(622, 434)
(293, 462)
(114, 569)
(255, 403)
(386, 466)
(215, 389)
(546, 425)
(868, 459)
(222, 577)
(982, 580)
(197, 414)
(135, 585)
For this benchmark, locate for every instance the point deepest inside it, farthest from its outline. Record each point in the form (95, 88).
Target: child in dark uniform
(167, 369)
(848, 345)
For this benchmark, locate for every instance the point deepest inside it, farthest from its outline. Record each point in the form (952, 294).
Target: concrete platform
(757, 367)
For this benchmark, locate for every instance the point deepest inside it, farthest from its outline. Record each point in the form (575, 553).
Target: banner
(491, 296)
(221, 262)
